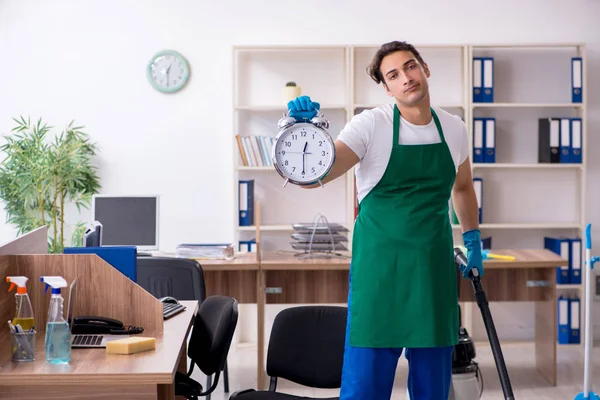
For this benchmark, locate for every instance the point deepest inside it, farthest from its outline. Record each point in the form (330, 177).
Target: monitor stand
(144, 254)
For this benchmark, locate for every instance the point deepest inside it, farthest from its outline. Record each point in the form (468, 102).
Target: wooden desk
(147, 375)
(531, 277)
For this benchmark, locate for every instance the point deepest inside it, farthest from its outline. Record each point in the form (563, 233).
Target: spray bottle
(24, 311)
(58, 335)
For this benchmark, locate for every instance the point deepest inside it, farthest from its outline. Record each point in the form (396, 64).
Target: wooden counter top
(94, 366)
(526, 258)
(241, 261)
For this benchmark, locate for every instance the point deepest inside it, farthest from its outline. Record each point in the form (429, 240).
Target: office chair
(306, 346)
(209, 345)
(181, 278)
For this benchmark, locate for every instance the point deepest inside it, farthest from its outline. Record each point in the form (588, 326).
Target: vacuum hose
(480, 297)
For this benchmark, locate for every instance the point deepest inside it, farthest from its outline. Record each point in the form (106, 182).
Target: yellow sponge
(130, 345)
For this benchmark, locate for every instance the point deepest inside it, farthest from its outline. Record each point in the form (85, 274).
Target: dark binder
(549, 140)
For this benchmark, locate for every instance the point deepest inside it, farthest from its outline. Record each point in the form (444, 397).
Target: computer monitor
(128, 220)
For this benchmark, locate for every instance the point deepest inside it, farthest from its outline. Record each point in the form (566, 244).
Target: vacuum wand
(480, 297)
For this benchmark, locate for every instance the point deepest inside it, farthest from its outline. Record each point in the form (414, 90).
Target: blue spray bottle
(58, 334)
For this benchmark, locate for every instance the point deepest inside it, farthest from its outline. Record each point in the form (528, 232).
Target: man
(411, 160)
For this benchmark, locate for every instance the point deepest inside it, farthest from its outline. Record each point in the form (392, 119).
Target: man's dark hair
(374, 69)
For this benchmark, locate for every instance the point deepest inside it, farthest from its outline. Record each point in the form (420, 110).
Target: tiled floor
(526, 382)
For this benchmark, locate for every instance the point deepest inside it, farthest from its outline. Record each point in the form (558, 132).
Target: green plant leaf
(38, 168)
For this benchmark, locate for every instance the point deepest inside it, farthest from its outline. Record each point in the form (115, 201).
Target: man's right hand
(303, 108)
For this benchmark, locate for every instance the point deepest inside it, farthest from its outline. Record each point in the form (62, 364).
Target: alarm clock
(303, 152)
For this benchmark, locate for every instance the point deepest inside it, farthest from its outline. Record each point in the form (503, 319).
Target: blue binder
(123, 258)
(576, 141)
(563, 317)
(486, 243)
(246, 202)
(488, 80)
(478, 185)
(477, 79)
(490, 140)
(560, 246)
(575, 321)
(478, 139)
(576, 80)
(565, 140)
(575, 261)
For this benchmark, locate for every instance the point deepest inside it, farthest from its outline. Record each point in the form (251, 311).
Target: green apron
(402, 277)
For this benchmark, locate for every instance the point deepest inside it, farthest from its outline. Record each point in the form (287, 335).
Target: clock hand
(304, 157)
(167, 73)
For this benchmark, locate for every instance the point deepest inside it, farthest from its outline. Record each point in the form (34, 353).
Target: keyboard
(170, 309)
(87, 340)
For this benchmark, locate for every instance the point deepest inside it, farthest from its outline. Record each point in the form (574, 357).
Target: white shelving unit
(523, 201)
(533, 81)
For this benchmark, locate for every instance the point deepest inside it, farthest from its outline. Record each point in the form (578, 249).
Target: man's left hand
(472, 241)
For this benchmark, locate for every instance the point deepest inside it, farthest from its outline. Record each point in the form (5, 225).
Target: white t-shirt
(369, 134)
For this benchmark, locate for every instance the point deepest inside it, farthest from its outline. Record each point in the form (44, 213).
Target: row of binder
(255, 151)
(569, 249)
(569, 320)
(560, 140)
(483, 79)
(247, 246)
(246, 202)
(484, 140)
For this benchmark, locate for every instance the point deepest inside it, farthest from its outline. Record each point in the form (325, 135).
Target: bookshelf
(527, 200)
(523, 200)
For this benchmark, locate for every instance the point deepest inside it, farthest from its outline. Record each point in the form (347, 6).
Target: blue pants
(368, 373)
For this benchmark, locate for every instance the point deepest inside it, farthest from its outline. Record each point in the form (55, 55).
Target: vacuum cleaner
(465, 374)
(587, 393)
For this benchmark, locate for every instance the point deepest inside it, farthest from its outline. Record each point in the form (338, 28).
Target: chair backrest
(181, 278)
(306, 345)
(212, 334)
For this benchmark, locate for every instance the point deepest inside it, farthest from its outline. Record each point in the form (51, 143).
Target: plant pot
(291, 92)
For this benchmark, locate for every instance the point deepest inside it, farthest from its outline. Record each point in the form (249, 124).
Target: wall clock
(168, 71)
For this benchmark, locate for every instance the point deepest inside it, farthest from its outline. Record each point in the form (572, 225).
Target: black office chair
(213, 330)
(306, 346)
(181, 278)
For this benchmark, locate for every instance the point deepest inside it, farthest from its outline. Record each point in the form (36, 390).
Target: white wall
(85, 60)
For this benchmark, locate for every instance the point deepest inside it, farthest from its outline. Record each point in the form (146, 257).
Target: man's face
(405, 78)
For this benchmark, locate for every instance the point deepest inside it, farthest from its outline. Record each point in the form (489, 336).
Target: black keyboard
(171, 309)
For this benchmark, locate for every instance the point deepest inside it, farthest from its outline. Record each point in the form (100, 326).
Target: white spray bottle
(58, 334)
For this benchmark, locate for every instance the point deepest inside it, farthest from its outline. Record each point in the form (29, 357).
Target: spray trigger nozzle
(56, 282)
(20, 281)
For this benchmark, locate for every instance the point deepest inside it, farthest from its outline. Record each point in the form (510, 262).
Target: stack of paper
(214, 251)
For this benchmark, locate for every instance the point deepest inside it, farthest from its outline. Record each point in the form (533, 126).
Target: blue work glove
(303, 108)
(472, 241)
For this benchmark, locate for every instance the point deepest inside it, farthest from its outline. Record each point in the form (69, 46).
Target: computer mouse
(169, 299)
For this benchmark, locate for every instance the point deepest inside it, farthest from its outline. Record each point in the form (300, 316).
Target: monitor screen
(128, 220)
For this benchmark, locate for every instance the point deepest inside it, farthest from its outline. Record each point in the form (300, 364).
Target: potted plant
(40, 175)
(291, 91)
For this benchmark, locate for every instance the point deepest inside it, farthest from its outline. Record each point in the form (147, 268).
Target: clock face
(168, 71)
(303, 153)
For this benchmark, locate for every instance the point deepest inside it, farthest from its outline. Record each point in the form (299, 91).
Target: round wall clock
(168, 71)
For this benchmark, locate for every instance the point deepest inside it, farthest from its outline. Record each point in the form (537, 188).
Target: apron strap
(397, 125)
